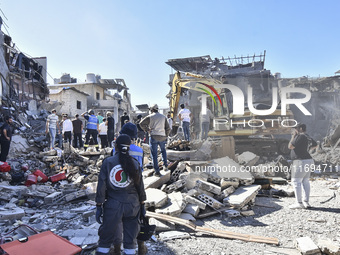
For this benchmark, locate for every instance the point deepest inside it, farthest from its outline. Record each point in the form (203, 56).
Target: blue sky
(132, 40)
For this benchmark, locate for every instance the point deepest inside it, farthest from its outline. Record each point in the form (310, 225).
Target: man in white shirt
(67, 128)
(102, 131)
(185, 116)
(52, 125)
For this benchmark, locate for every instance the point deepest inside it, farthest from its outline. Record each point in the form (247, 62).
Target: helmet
(91, 112)
(129, 129)
(154, 107)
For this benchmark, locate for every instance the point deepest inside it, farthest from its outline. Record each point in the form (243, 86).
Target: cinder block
(227, 182)
(53, 198)
(232, 213)
(175, 186)
(210, 201)
(195, 201)
(75, 195)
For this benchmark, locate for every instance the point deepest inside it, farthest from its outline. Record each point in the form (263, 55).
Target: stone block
(210, 201)
(181, 167)
(208, 187)
(242, 196)
(156, 182)
(306, 246)
(155, 197)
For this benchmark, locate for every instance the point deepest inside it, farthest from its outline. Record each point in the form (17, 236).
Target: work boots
(142, 249)
(115, 250)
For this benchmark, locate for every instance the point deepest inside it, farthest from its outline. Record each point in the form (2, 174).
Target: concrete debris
(155, 198)
(327, 246)
(307, 246)
(170, 235)
(242, 196)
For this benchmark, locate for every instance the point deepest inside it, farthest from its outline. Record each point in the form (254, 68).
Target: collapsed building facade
(23, 78)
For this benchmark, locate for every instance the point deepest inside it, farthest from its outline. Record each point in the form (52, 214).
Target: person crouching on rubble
(6, 137)
(301, 166)
(120, 198)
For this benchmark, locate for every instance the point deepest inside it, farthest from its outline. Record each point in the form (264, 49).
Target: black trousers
(103, 140)
(4, 150)
(110, 137)
(94, 134)
(77, 140)
(67, 136)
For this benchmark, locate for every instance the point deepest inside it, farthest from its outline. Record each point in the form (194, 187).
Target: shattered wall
(3, 67)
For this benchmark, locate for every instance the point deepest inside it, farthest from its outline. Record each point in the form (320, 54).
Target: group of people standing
(96, 125)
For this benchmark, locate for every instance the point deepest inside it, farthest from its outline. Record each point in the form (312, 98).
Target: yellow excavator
(264, 133)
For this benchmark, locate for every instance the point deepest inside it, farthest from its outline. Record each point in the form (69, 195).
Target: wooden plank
(214, 232)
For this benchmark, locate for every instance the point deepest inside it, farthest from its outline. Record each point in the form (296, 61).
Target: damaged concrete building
(22, 78)
(102, 95)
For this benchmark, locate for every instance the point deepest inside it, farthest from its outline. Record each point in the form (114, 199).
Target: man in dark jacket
(110, 122)
(5, 138)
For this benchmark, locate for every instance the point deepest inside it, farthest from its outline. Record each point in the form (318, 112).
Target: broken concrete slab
(247, 213)
(242, 196)
(156, 182)
(327, 246)
(155, 197)
(175, 206)
(170, 235)
(306, 246)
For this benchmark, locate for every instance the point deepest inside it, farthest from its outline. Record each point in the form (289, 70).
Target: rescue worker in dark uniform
(91, 129)
(136, 152)
(120, 198)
